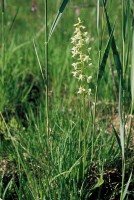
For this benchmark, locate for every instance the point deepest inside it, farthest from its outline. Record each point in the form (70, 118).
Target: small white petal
(81, 90)
(80, 77)
(89, 91)
(90, 64)
(74, 73)
(89, 79)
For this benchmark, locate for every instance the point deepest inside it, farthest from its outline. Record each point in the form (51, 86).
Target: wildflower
(80, 77)
(73, 40)
(89, 49)
(75, 51)
(77, 30)
(79, 44)
(82, 57)
(85, 34)
(75, 65)
(74, 73)
(78, 36)
(86, 58)
(77, 11)
(87, 40)
(89, 79)
(90, 64)
(34, 7)
(82, 27)
(79, 22)
(81, 90)
(89, 91)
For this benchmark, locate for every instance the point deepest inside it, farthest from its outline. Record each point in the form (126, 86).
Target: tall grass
(132, 73)
(46, 66)
(2, 51)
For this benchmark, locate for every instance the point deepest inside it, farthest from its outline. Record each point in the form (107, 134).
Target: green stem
(3, 45)
(94, 116)
(85, 136)
(123, 178)
(46, 66)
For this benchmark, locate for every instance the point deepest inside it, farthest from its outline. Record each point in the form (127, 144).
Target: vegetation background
(78, 156)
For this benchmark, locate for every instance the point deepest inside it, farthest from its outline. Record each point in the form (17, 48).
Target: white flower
(74, 73)
(89, 49)
(87, 40)
(77, 29)
(78, 36)
(73, 40)
(89, 79)
(86, 58)
(90, 64)
(74, 51)
(81, 90)
(79, 44)
(85, 34)
(89, 91)
(75, 65)
(80, 77)
(83, 27)
(81, 57)
(79, 22)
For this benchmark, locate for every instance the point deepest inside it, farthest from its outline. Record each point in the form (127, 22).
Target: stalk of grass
(36, 52)
(46, 66)
(62, 7)
(123, 35)
(122, 140)
(96, 88)
(126, 188)
(85, 134)
(116, 56)
(105, 57)
(101, 70)
(3, 45)
(98, 17)
(14, 19)
(132, 74)
(122, 134)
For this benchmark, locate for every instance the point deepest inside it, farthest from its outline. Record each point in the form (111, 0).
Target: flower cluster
(81, 55)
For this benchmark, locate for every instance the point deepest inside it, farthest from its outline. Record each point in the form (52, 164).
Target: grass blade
(127, 185)
(117, 137)
(62, 7)
(3, 6)
(98, 16)
(121, 123)
(132, 72)
(38, 60)
(114, 49)
(98, 184)
(105, 57)
(13, 21)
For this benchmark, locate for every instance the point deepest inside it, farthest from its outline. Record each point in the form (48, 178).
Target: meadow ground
(67, 105)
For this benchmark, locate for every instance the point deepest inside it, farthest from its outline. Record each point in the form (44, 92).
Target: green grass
(44, 154)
